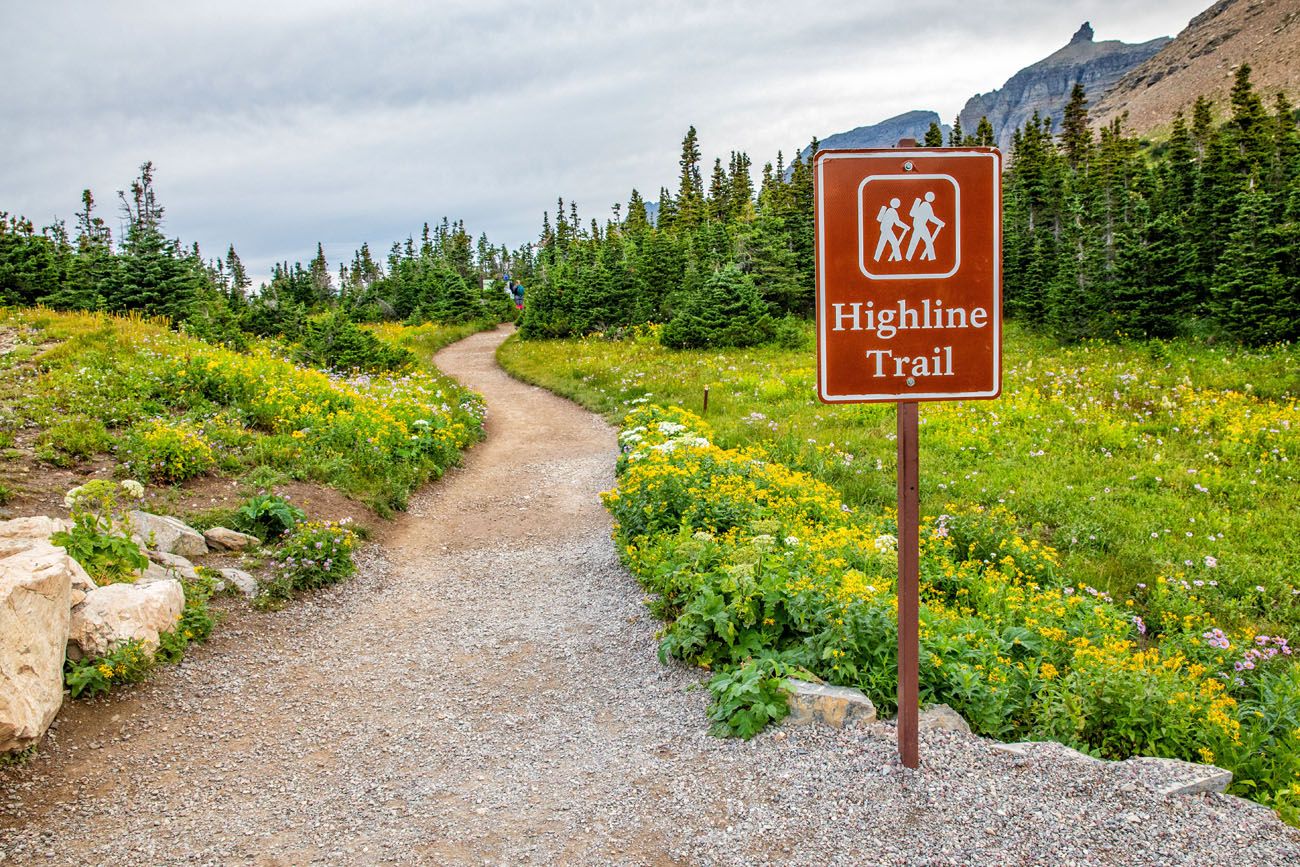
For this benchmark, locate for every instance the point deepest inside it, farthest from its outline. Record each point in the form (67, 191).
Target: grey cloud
(277, 124)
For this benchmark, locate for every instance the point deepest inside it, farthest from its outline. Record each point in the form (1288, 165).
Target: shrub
(332, 341)
(128, 662)
(312, 554)
(168, 452)
(77, 437)
(726, 311)
(267, 516)
(747, 698)
(100, 538)
(197, 620)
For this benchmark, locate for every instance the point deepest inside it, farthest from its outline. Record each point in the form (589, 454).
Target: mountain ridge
(1202, 59)
(1045, 86)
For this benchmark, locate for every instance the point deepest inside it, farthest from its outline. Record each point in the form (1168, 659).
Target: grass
(424, 340)
(1134, 461)
(168, 407)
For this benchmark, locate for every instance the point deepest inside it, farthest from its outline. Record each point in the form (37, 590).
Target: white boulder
(168, 534)
(19, 534)
(116, 613)
(35, 585)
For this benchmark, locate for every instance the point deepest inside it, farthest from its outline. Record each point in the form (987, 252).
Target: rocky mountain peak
(1045, 86)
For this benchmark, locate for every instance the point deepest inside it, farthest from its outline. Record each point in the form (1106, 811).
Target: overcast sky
(278, 123)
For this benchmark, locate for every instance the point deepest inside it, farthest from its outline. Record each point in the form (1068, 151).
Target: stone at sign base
(34, 592)
(942, 718)
(1174, 777)
(833, 705)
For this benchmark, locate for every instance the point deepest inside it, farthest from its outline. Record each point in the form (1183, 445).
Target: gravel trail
(487, 691)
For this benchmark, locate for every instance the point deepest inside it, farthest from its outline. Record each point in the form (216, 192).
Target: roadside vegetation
(170, 407)
(762, 572)
(1103, 561)
(97, 394)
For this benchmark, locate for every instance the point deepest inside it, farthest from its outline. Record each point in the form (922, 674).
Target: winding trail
(487, 690)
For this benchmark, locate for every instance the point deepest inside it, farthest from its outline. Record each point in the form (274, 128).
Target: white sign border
(881, 397)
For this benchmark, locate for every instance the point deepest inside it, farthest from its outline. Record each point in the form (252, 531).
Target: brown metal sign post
(909, 308)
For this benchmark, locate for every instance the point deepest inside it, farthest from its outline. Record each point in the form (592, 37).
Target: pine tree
(239, 279)
(763, 253)
(1256, 289)
(155, 279)
(690, 186)
(719, 202)
(92, 274)
(934, 136)
(725, 311)
(984, 133)
(638, 221)
(1076, 136)
(322, 283)
(742, 187)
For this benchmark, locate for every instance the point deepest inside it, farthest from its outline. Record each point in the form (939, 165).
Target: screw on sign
(909, 308)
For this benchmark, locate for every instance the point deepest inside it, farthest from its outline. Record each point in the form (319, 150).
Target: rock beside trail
(833, 705)
(19, 534)
(167, 534)
(163, 565)
(116, 613)
(35, 586)
(1173, 777)
(241, 580)
(940, 717)
(223, 539)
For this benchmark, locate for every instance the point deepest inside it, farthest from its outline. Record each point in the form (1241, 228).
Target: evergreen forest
(1105, 236)
(444, 277)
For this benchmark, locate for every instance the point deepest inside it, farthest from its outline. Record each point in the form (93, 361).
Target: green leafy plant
(73, 439)
(267, 516)
(100, 538)
(747, 698)
(197, 620)
(313, 554)
(128, 662)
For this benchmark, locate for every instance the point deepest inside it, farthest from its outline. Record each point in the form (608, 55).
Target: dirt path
(487, 691)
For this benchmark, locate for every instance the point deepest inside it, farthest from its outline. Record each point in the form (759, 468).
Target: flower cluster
(168, 451)
(377, 435)
(311, 554)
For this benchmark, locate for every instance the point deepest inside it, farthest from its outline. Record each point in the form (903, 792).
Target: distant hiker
(888, 219)
(922, 214)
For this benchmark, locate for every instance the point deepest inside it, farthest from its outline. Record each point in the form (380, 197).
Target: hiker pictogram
(909, 226)
(922, 215)
(889, 219)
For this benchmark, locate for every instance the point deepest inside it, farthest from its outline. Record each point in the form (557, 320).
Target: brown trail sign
(909, 308)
